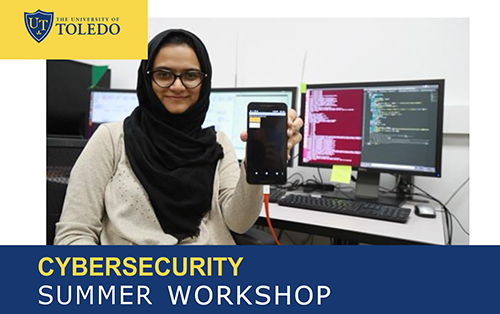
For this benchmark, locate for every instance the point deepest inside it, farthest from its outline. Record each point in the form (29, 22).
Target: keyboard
(347, 207)
(275, 194)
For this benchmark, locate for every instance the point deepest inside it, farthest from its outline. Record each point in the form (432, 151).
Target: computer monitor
(376, 127)
(110, 105)
(228, 109)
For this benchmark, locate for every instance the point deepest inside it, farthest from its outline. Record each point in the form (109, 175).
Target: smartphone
(266, 143)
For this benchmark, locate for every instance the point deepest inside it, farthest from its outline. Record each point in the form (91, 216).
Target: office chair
(62, 154)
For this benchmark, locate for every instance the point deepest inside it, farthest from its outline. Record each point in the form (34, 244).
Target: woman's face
(177, 59)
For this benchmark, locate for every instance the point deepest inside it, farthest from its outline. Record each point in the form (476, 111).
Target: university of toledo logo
(39, 24)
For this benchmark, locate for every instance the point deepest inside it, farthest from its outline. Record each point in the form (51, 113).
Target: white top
(106, 204)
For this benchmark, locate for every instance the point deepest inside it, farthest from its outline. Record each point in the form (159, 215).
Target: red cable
(266, 207)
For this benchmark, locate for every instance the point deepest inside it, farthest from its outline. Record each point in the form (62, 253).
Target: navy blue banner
(305, 279)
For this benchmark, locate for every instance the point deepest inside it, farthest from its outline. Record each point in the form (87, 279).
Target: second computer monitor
(392, 127)
(110, 105)
(228, 109)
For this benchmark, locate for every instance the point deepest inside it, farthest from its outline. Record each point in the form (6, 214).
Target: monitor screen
(110, 105)
(228, 109)
(393, 127)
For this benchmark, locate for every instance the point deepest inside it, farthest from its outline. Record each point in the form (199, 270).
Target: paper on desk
(341, 174)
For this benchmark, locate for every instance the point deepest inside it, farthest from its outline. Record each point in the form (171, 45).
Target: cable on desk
(386, 190)
(292, 185)
(312, 181)
(346, 195)
(296, 174)
(449, 223)
(456, 192)
(447, 214)
(449, 200)
(458, 221)
(266, 207)
(319, 174)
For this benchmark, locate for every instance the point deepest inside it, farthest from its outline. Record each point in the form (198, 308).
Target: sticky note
(98, 72)
(341, 174)
(303, 88)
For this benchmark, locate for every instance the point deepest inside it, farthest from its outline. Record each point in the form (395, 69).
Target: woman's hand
(294, 137)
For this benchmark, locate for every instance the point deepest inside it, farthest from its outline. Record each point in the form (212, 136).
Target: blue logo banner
(38, 24)
(246, 279)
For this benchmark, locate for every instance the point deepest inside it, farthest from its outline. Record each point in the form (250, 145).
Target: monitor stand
(367, 186)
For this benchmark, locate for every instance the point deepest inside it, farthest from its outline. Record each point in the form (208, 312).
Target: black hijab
(171, 155)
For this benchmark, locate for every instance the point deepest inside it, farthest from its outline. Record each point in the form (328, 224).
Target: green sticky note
(341, 174)
(303, 87)
(98, 72)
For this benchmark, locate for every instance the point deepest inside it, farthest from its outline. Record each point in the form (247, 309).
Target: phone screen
(266, 144)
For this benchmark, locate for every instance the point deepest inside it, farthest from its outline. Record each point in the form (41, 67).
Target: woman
(158, 177)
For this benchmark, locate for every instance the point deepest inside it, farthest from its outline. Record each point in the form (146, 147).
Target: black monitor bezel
(439, 142)
(292, 89)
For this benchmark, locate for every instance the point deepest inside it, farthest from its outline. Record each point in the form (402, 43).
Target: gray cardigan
(106, 204)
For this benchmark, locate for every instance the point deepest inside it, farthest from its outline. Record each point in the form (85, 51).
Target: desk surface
(416, 230)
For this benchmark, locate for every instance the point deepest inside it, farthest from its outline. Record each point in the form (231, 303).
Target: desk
(416, 230)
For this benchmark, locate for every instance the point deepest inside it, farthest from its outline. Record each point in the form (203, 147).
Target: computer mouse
(425, 211)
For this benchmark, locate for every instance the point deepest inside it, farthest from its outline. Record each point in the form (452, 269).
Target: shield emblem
(38, 24)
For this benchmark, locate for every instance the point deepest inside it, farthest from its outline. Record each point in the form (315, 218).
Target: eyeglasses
(165, 78)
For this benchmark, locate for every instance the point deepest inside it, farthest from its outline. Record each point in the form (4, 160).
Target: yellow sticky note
(303, 88)
(341, 174)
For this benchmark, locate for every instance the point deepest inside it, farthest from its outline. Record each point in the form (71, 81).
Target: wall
(284, 52)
